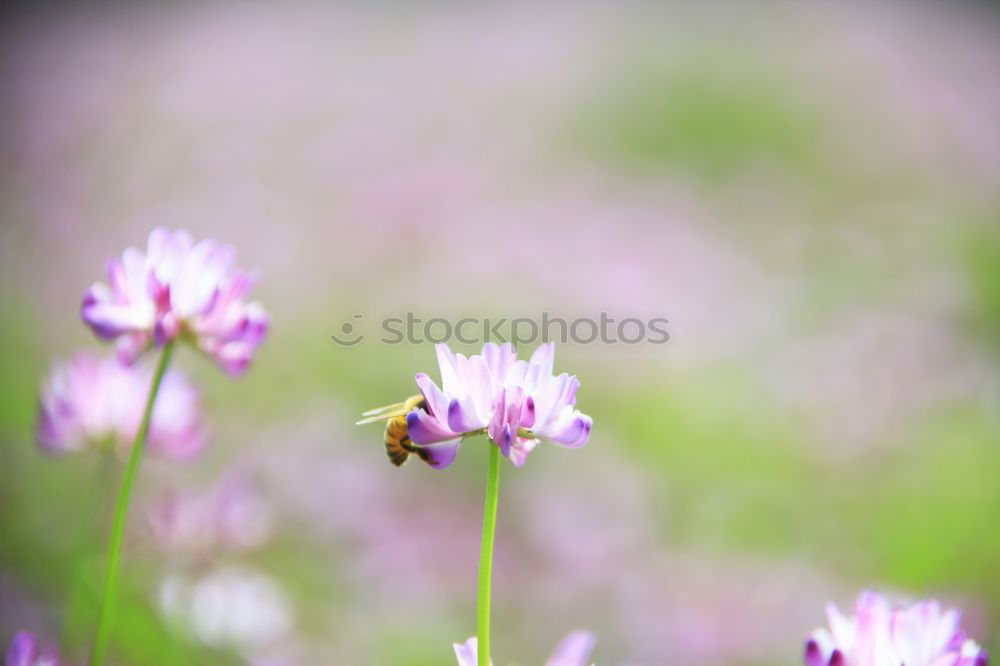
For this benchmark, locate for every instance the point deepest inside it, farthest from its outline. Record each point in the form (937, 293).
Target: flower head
(515, 402)
(25, 651)
(573, 650)
(231, 516)
(90, 401)
(177, 288)
(230, 606)
(879, 635)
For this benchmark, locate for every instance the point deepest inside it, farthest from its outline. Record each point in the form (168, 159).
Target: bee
(397, 439)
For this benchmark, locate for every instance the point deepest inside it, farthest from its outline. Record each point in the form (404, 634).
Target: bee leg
(422, 453)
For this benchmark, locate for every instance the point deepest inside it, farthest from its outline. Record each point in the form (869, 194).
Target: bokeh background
(808, 191)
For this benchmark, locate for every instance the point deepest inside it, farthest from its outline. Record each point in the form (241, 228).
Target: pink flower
(230, 516)
(229, 606)
(25, 651)
(573, 650)
(177, 288)
(89, 402)
(466, 652)
(516, 403)
(879, 635)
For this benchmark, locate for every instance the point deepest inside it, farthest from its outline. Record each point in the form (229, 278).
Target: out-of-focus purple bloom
(517, 403)
(573, 650)
(466, 652)
(231, 606)
(177, 288)
(25, 651)
(90, 401)
(230, 516)
(879, 635)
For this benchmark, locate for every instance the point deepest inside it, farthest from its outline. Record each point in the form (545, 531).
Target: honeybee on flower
(515, 403)
(398, 445)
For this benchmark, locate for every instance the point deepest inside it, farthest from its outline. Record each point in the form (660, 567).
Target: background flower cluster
(807, 192)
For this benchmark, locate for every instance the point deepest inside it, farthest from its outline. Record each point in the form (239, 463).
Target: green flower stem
(486, 556)
(105, 618)
(90, 525)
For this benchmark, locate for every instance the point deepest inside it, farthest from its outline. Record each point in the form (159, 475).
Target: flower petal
(425, 429)
(462, 417)
(573, 650)
(447, 366)
(544, 358)
(23, 649)
(437, 402)
(814, 653)
(520, 449)
(109, 320)
(466, 652)
(439, 455)
(505, 441)
(528, 413)
(572, 432)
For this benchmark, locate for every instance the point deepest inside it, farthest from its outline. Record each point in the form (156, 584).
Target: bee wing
(378, 411)
(398, 410)
(380, 417)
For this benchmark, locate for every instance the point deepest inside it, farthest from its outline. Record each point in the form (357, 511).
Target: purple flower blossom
(516, 403)
(90, 401)
(177, 288)
(879, 635)
(25, 651)
(231, 516)
(573, 650)
(229, 606)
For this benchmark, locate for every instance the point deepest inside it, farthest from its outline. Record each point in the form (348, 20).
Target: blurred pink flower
(25, 651)
(231, 606)
(573, 650)
(879, 635)
(177, 288)
(90, 401)
(515, 402)
(231, 516)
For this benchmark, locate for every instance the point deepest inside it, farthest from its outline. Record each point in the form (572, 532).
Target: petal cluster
(573, 650)
(91, 401)
(231, 516)
(24, 650)
(879, 635)
(177, 288)
(515, 402)
(229, 607)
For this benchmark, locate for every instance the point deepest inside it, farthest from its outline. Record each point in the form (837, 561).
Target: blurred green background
(808, 192)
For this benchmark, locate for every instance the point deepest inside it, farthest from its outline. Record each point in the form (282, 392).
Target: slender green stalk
(486, 557)
(105, 618)
(90, 524)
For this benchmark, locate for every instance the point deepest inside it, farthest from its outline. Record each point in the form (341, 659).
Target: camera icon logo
(348, 334)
